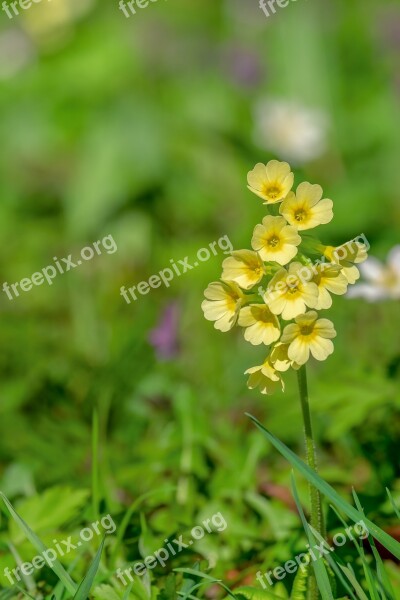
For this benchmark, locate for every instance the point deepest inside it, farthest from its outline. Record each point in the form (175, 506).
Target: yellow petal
(299, 351)
(325, 328)
(293, 308)
(324, 299)
(323, 212)
(277, 170)
(321, 348)
(290, 333)
(308, 319)
(309, 194)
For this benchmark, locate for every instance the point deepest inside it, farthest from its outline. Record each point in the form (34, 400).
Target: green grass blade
(350, 576)
(188, 594)
(335, 564)
(25, 593)
(386, 540)
(95, 465)
(128, 591)
(396, 510)
(320, 571)
(87, 582)
(380, 567)
(127, 517)
(208, 578)
(28, 579)
(40, 546)
(58, 592)
(369, 575)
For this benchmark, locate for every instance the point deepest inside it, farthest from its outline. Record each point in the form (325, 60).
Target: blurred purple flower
(389, 29)
(164, 337)
(242, 65)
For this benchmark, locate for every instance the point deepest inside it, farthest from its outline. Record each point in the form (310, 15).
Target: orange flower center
(273, 241)
(306, 329)
(300, 215)
(272, 191)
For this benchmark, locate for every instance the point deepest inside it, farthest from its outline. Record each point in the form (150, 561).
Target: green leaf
(87, 582)
(386, 540)
(38, 544)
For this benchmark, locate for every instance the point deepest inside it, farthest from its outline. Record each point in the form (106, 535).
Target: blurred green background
(145, 128)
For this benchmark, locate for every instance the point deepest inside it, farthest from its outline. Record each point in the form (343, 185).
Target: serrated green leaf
(250, 593)
(50, 510)
(299, 588)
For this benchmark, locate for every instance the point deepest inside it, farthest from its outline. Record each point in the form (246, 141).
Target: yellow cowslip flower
(275, 240)
(295, 290)
(262, 327)
(271, 182)
(328, 278)
(244, 267)
(309, 334)
(347, 256)
(305, 209)
(279, 358)
(222, 304)
(290, 292)
(265, 377)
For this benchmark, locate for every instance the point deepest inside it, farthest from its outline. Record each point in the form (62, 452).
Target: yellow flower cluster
(298, 274)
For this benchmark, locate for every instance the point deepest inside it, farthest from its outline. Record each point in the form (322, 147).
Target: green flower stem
(316, 518)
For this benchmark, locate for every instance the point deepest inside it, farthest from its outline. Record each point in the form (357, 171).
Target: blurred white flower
(291, 131)
(382, 280)
(16, 52)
